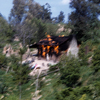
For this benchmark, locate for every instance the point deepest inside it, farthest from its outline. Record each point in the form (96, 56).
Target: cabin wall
(48, 52)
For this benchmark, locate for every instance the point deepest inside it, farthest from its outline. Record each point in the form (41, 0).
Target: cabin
(52, 47)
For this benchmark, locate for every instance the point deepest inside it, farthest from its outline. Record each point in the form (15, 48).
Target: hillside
(70, 79)
(26, 76)
(77, 79)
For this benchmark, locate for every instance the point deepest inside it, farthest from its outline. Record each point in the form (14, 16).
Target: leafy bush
(96, 60)
(85, 51)
(12, 97)
(63, 94)
(69, 69)
(74, 94)
(3, 61)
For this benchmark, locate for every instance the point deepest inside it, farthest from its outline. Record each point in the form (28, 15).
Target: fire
(56, 49)
(44, 51)
(43, 39)
(62, 35)
(39, 51)
(53, 41)
(48, 36)
(49, 39)
(43, 54)
(48, 47)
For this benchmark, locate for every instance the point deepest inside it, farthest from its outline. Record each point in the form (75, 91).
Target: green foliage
(21, 52)
(85, 51)
(6, 31)
(74, 94)
(41, 29)
(96, 60)
(61, 17)
(3, 61)
(75, 80)
(69, 69)
(51, 28)
(3, 88)
(5, 82)
(63, 94)
(84, 97)
(46, 13)
(84, 17)
(20, 72)
(96, 90)
(17, 12)
(32, 31)
(12, 97)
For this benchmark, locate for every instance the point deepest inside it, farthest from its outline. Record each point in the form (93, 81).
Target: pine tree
(20, 71)
(61, 17)
(84, 16)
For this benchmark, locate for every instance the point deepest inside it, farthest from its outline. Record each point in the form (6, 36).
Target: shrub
(69, 69)
(96, 60)
(3, 61)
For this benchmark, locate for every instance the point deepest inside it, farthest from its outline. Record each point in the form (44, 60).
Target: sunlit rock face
(73, 48)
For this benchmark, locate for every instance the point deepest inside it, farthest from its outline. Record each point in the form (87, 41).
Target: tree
(51, 28)
(6, 31)
(26, 19)
(84, 16)
(69, 70)
(32, 31)
(17, 12)
(34, 10)
(28, 31)
(3, 61)
(20, 73)
(46, 14)
(41, 29)
(96, 60)
(37, 11)
(61, 17)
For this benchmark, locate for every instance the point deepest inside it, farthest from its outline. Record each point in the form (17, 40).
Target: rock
(4, 50)
(73, 49)
(20, 45)
(16, 38)
(8, 50)
(26, 55)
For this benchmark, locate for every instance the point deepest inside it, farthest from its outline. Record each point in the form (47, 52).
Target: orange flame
(48, 36)
(62, 35)
(44, 50)
(56, 49)
(49, 39)
(39, 51)
(48, 47)
(53, 41)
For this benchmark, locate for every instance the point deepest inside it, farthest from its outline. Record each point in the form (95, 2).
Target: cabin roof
(52, 40)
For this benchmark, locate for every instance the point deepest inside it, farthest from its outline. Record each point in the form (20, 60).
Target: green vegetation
(77, 78)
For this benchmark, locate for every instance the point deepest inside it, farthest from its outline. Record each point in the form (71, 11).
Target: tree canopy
(84, 15)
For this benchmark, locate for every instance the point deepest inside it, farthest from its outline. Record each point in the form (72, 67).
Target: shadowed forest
(77, 78)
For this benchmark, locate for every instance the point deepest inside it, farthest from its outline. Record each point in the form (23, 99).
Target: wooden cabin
(52, 46)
